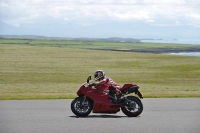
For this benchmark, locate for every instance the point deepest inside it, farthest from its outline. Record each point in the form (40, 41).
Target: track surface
(181, 115)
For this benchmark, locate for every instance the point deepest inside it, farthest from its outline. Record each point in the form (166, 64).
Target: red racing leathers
(108, 84)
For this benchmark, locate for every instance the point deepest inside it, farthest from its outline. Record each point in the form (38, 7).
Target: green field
(98, 45)
(44, 69)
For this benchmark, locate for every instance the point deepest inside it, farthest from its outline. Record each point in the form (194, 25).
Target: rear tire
(134, 108)
(79, 110)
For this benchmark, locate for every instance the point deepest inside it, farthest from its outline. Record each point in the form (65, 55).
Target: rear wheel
(134, 107)
(81, 109)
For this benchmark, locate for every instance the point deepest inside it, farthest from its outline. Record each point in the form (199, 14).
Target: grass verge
(33, 72)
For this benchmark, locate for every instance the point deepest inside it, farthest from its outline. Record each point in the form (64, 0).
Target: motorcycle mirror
(88, 79)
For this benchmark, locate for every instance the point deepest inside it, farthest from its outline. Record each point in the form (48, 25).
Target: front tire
(81, 110)
(134, 108)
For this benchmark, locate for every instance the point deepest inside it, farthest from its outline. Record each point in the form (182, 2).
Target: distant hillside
(111, 39)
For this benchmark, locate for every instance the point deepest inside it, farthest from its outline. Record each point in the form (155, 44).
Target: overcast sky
(104, 18)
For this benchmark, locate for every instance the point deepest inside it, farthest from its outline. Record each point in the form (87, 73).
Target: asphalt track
(174, 115)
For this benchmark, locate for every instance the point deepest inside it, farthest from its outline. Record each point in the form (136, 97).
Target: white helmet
(99, 74)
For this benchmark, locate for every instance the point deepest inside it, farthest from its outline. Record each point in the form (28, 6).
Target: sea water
(179, 41)
(187, 54)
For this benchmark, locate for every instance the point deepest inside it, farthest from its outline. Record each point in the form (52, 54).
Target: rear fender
(133, 89)
(130, 90)
(140, 94)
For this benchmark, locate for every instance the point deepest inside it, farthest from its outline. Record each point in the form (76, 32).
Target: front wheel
(134, 107)
(81, 107)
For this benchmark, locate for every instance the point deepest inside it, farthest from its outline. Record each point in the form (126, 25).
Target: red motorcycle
(101, 100)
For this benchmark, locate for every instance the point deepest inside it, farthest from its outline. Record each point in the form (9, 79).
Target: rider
(102, 79)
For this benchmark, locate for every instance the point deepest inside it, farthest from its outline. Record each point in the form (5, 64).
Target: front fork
(82, 101)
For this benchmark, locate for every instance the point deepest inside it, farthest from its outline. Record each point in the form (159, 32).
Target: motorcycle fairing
(100, 99)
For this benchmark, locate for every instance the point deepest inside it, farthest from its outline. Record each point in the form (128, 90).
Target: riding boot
(120, 96)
